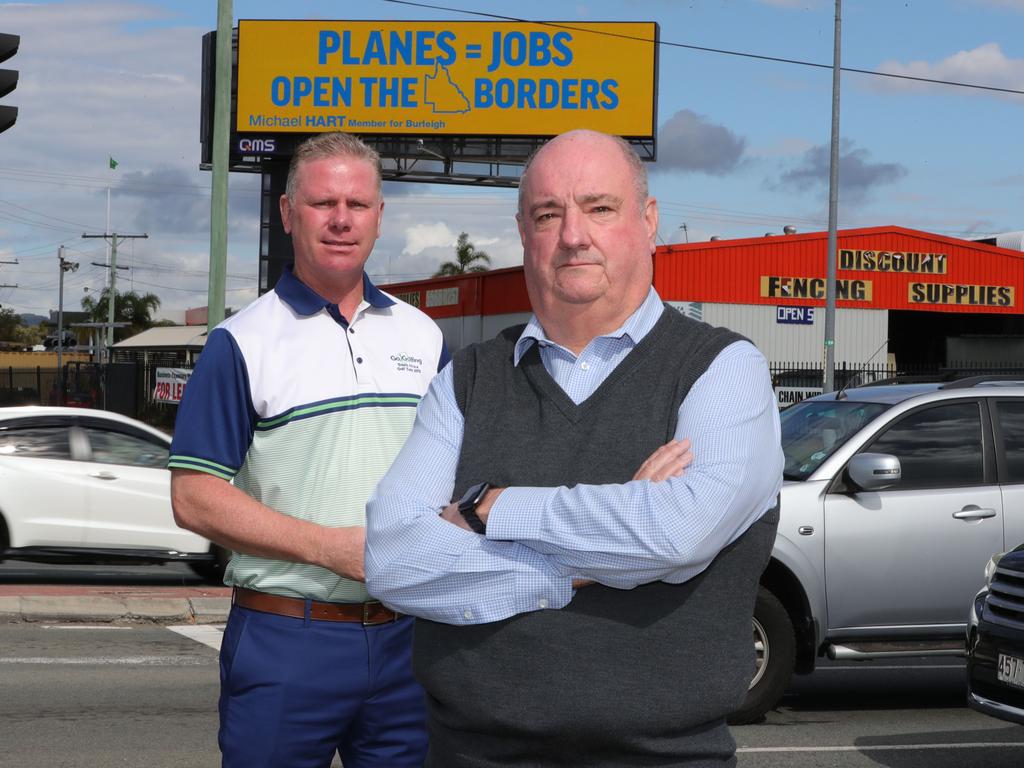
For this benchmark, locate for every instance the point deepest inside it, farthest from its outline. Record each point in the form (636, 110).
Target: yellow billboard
(468, 78)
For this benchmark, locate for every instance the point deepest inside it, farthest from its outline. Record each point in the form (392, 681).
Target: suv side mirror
(874, 471)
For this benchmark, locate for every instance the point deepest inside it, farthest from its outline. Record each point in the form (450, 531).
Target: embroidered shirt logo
(408, 363)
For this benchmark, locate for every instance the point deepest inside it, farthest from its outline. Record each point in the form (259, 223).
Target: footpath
(114, 604)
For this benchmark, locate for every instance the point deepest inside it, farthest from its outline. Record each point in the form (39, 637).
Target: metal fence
(125, 387)
(798, 374)
(130, 387)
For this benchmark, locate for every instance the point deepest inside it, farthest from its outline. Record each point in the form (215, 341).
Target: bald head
(597, 139)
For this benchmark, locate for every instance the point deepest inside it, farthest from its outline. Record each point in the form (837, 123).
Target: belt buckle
(367, 621)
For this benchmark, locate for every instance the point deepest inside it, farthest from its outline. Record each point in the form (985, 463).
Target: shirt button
(467, 614)
(543, 603)
(585, 366)
(359, 359)
(351, 330)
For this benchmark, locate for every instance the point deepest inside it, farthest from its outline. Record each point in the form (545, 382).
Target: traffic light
(8, 79)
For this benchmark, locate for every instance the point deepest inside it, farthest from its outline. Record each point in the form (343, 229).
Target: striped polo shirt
(305, 411)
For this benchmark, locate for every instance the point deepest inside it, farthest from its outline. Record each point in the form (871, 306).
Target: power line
(705, 49)
(75, 224)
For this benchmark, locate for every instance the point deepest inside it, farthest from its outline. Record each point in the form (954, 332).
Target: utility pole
(833, 214)
(65, 266)
(114, 239)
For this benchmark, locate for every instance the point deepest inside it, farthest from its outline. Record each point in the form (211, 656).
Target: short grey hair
(324, 145)
(636, 165)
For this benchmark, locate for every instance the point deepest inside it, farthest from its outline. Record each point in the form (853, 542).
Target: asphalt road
(146, 695)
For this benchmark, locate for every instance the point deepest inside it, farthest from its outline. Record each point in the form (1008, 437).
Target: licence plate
(1010, 670)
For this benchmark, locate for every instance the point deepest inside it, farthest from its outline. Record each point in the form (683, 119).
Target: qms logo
(257, 145)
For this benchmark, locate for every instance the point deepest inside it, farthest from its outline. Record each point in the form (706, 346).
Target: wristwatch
(469, 502)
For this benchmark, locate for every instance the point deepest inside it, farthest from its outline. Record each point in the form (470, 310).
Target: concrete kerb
(159, 610)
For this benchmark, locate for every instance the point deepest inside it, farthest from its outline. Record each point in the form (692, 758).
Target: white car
(85, 486)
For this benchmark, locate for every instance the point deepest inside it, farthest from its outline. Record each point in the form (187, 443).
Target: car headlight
(990, 567)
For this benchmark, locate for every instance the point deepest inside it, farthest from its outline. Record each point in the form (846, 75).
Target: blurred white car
(85, 486)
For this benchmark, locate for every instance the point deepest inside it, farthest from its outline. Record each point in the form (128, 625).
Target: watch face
(471, 496)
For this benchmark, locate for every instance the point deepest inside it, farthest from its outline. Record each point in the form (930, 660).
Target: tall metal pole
(219, 191)
(109, 270)
(60, 327)
(65, 266)
(833, 212)
(111, 295)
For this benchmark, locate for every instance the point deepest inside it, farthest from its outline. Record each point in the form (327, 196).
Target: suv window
(35, 442)
(1011, 425)
(941, 446)
(813, 429)
(118, 448)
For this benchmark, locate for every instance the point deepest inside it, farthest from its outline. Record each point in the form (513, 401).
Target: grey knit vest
(618, 677)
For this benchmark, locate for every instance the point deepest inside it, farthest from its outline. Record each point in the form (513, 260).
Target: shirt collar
(636, 326)
(305, 301)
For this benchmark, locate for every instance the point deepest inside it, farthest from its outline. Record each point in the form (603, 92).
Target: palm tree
(129, 307)
(465, 254)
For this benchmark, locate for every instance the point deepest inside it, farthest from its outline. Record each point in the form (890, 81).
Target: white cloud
(420, 237)
(984, 65)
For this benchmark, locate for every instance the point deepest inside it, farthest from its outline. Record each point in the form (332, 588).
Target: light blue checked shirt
(539, 539)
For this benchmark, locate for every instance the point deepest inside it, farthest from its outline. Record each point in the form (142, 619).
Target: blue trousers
(295, 691)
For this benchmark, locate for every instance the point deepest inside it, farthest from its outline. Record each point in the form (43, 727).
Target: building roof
(167, 337)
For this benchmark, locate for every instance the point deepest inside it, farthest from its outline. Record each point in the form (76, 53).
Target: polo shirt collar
(636, 326)
(305, 301)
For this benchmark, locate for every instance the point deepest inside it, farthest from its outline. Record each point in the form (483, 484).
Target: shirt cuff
(517, 514)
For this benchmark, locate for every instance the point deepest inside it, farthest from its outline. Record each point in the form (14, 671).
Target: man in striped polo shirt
(296, 408)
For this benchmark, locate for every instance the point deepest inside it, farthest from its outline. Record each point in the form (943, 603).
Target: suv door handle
(974, 512)
(110, 476)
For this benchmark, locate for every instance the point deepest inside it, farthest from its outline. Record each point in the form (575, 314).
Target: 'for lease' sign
(170, 384)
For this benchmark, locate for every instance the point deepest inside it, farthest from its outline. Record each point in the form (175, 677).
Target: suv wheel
(775, 646)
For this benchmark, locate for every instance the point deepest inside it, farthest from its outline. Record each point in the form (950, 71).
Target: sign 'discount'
(477, 78)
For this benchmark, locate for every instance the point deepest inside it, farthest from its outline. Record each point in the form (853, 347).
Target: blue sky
(743, 143)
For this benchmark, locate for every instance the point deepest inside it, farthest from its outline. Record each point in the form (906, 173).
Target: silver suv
(895, 498)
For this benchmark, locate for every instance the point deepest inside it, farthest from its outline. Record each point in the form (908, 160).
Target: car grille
(1005, 602)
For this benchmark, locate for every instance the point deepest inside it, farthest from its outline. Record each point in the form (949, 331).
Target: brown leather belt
(366, 614)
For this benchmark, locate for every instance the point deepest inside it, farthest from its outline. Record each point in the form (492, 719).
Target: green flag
(113, 163)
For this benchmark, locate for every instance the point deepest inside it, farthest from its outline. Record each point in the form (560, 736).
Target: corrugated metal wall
(859, 332)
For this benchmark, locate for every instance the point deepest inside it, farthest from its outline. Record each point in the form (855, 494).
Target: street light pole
(828, 385)
(65, 266)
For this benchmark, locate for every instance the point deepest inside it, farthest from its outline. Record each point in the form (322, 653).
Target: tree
(465, 254)
(29, 335)
(9, 321)
(129, 307)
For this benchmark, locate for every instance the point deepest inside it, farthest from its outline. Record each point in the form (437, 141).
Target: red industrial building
(904, 296)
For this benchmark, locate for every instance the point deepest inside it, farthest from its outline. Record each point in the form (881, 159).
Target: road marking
(120, 660)
(207, 634)
(886, 747)
(83, 626)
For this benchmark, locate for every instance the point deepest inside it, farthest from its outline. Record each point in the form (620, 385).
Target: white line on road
(207, 634)
(887, 747)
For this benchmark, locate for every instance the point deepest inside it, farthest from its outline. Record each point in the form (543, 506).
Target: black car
(995, 641)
